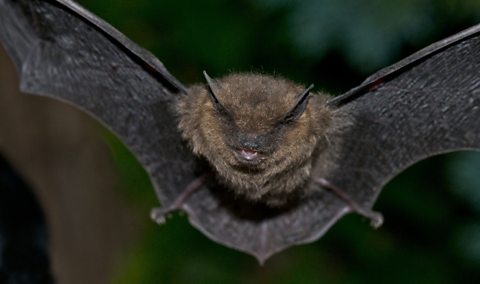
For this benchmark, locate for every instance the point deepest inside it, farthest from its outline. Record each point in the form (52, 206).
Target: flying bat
(257, 162)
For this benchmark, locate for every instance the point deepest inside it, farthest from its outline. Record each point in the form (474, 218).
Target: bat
(257, 162)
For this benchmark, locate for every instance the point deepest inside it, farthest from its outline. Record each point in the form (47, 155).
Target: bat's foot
(159, 214)
(376, 219)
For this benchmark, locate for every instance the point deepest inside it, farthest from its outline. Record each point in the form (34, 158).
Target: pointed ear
(299, 107)
(212, 87)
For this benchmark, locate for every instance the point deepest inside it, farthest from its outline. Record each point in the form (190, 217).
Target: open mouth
(248, 156)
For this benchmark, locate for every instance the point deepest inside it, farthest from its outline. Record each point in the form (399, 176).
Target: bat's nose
(250, 144)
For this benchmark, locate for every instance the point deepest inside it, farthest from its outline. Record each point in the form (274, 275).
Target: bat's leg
(158, 214)
(376, 219)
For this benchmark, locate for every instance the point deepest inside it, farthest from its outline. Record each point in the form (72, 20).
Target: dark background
(432, 229)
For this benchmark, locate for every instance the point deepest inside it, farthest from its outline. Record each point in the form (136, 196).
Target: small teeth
(248, 155)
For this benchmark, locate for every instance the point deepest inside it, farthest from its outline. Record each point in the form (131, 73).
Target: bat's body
(266, 139)
(259, 134)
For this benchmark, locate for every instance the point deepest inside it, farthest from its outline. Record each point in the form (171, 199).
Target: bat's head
(251, 126)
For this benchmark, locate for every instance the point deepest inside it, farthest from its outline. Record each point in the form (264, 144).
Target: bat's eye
(299, 107)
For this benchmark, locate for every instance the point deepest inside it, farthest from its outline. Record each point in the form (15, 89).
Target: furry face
(258, 132)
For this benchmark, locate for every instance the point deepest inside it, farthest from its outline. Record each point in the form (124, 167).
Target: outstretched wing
(63, 51)
(426, 104)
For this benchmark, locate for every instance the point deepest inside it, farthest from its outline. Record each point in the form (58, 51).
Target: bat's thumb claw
(376, 219)
(158, 215)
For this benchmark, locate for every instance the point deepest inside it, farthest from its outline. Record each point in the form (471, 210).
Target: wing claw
(158, 214)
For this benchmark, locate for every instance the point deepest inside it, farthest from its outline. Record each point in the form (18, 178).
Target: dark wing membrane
(425, 105)
(63, 51)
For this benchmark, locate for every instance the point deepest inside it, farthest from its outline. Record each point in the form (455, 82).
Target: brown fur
(256, 103)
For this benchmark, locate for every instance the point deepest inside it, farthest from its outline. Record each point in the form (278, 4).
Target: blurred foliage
(381, 28)
(432, 210)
